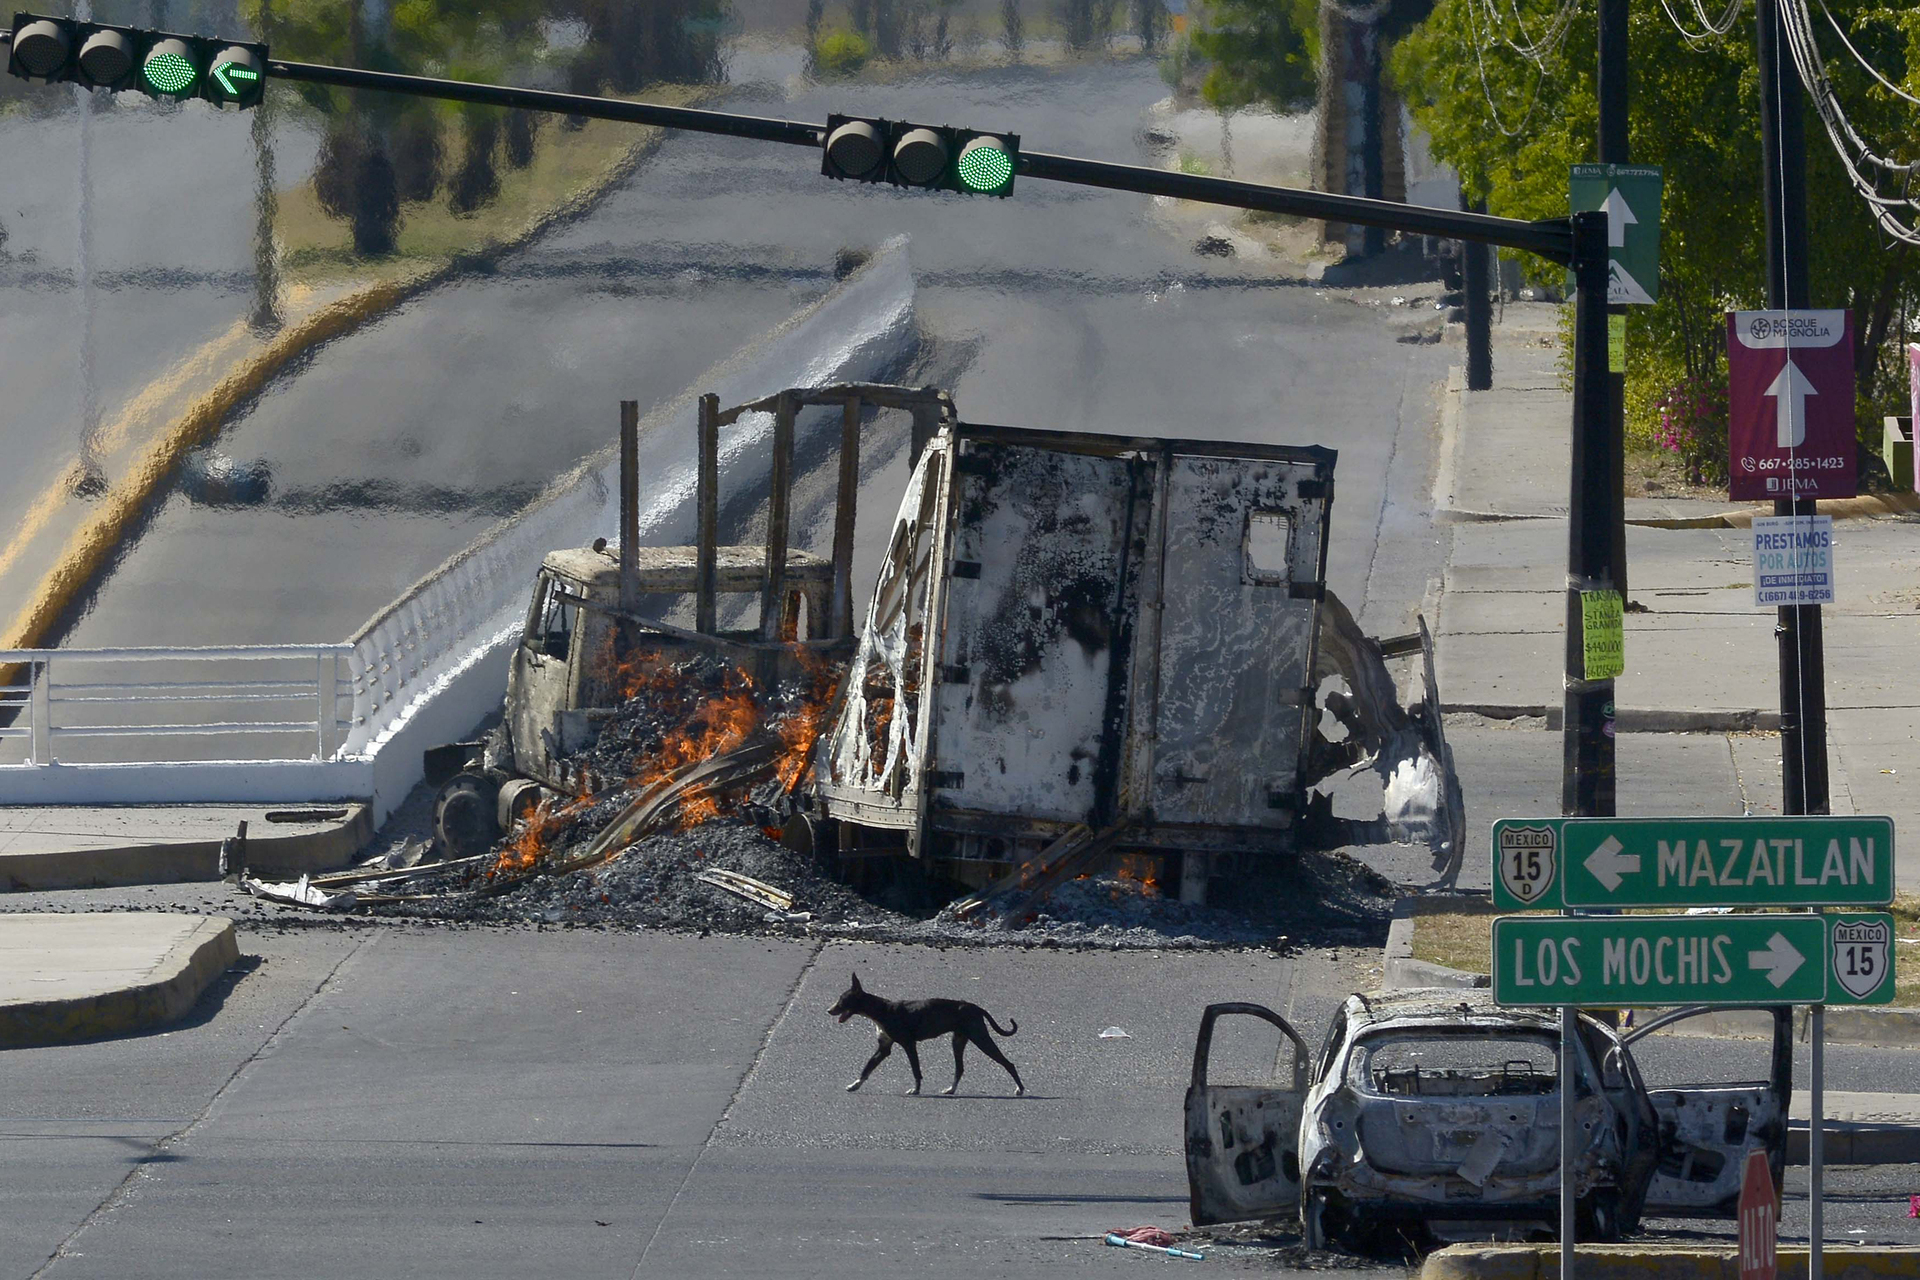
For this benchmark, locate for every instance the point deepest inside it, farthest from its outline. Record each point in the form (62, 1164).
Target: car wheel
(465, 820)
(1598, 1216)
(1316, 1220)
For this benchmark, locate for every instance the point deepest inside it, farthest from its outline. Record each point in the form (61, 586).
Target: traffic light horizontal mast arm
(1551, 238)
(758, 128)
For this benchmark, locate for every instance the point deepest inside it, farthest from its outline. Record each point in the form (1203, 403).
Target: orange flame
(1142, 869)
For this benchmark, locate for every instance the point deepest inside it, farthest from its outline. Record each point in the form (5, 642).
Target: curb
(180, 978)
(171, 862)
(1870, 506)
(1661, 1262)
(1399, 971)
(1635, 720)
(94, 544)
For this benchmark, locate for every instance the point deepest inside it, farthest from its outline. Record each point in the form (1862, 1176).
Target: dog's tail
(1012, 1027)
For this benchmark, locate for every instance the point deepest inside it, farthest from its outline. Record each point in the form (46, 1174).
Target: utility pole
(1593, 564)
(1475, 268)
(1803, 674)
(1611, 90)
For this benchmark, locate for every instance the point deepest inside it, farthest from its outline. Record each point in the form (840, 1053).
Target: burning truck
(1078, 648)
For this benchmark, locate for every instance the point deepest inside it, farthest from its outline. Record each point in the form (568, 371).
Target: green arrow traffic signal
(236, 76)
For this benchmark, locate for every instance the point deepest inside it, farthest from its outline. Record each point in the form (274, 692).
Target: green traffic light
(169, 68)
(985, 166)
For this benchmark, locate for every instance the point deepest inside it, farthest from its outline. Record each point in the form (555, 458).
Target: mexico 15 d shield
(1790, 404)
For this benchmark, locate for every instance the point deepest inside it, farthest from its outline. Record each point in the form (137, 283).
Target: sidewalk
(91, 846)
(81, 976)
(1701, 657)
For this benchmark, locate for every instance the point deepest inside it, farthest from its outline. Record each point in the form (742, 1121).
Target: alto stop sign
(1759, 1219)
(1790, 404)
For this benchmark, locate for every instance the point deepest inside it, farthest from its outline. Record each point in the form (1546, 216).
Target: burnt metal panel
(1050, 531)
(1236, 638)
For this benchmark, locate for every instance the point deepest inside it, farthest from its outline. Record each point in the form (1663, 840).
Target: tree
(1512, 127)
(381, 151)
(1261, 52)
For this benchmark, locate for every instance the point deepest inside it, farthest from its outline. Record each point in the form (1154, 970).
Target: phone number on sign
(1799, 464)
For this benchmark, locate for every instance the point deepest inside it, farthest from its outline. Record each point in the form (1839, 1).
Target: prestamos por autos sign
(1790, 405)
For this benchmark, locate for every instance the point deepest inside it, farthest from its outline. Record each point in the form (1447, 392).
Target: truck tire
(464, 819)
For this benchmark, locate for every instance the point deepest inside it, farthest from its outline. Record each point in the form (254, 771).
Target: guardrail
(255, 704)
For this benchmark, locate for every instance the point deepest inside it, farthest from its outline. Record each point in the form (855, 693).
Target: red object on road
(1759, 1219)
(1790, 405)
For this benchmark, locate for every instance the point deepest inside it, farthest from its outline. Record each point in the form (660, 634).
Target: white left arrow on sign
(1607, 864)
(1779, 961)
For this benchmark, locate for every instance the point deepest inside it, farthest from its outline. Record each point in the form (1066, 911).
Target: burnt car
(1434, 1115)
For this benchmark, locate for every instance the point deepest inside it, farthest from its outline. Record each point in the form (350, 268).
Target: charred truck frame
(1077, 645)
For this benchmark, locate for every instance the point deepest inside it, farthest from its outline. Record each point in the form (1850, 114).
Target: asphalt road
(1058, 307)
(497, 1103)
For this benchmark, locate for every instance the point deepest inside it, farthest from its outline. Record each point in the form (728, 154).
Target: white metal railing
(256, 703)
(288, 722)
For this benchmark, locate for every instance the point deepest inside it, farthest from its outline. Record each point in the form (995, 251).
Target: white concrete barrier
(432, 665)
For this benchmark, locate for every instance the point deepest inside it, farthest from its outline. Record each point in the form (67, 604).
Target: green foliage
(841, 53)
(1512, 130)
(1261, 52)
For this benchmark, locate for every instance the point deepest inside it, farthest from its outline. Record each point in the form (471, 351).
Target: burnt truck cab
(575, 660)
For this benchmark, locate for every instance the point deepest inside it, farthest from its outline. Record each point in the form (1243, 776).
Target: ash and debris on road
(1310, 899)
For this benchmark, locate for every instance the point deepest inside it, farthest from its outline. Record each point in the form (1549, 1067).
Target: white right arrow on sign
(1608, 864)
(1790, 391)
(1779, 961)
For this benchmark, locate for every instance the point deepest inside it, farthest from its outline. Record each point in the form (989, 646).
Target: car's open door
(1243, 1140)
(1706, 1130)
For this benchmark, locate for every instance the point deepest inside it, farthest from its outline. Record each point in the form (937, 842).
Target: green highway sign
(1816, 861)
(1641, 961)
(1630, 195)
(1727, 862)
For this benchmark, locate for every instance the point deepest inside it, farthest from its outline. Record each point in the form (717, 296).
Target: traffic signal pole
(1611, 90)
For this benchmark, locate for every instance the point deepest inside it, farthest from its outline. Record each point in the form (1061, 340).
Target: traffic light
(156, 63)
(918, 155)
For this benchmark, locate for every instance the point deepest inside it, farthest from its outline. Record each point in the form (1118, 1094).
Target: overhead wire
(1534, 50)
(1859, 58)
(1854, 151)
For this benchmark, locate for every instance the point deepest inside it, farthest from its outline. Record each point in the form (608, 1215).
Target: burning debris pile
(675, 827)
(693, 738)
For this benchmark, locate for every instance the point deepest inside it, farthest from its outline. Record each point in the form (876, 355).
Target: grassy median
(568, 166)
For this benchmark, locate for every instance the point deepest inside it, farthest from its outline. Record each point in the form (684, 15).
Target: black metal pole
(1587, 724)
(1612, 93)
(1783, 146)
(1475, 286)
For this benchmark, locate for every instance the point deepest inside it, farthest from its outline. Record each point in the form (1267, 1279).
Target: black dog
(907, 1022)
